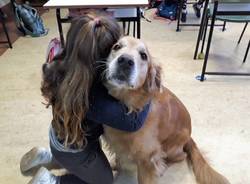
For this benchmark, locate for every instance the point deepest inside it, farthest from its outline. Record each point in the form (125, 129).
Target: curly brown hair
(68, 79)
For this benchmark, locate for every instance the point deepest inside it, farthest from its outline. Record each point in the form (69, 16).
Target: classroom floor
(219, 107)
(13, 32)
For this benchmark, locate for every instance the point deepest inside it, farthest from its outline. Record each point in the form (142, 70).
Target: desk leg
(124, 27)
(205, 32)
(243, 32)
(202, 26)
(59, 23)
(245, 58)
(134, 25)
(224, 26)
(128, 30)
(5, 29)
(12, 2)
(209, 41)
(138, 23)
(180, 5)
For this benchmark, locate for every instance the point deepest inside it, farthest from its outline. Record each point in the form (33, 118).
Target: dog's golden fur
(165, 137)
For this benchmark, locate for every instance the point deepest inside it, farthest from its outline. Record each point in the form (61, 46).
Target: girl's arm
(105, 109)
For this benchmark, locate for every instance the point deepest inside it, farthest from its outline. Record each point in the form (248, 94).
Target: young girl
(81, 104)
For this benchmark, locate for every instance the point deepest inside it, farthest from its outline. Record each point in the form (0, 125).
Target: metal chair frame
(202, 36)
(136, 20)
(179, 13)
(3, 21)
(244, 29)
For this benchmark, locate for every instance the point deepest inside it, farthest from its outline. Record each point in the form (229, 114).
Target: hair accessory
(97, 22)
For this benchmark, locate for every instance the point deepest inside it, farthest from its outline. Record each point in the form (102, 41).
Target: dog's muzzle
(124, 68)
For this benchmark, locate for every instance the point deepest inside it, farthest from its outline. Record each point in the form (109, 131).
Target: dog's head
(130, 66)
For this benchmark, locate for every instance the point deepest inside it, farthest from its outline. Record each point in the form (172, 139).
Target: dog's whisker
(101, 61)
(104, 62)
(99, 66)
(104, 73)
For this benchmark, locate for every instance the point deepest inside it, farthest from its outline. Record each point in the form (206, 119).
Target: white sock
(43, 176)
(46, 156)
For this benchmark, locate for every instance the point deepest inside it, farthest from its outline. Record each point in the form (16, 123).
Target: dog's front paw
(159, 163)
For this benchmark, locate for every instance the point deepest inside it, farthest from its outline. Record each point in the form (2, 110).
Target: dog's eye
(117, 47)
(143, 55)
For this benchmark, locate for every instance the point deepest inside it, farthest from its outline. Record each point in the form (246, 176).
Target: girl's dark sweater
(105, 109)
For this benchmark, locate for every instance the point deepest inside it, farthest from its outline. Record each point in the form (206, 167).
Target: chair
(2, 20)
(179, 13)
(125, 15)
(224, 10)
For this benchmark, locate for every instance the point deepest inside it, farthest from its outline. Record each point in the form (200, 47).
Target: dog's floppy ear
(153, 80)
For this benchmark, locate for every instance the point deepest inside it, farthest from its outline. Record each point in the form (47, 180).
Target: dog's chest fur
(140, 144)
(132, 147)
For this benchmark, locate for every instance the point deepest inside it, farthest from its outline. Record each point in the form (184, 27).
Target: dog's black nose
(125, 61)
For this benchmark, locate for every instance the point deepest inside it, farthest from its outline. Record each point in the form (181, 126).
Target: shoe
(43, 176)
(35, 157)
(197, 10)
(183, 16)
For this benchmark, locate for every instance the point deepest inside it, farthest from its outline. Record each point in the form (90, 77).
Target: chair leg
(245, 58)
(244, 29)
(128, 29)
(224, 26)
(123, 26)
(59, 23)
(209, 41)
(12, 2)
(138, 26)
(180, 5)
(5, 28)
(204, 36)
(134, 27)
(200, 30)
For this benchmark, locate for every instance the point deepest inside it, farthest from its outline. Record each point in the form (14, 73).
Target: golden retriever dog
(165, 138)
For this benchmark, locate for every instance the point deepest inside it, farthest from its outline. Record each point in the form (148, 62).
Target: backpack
(168, 9)
(54, 49)
(28, 21)
(154, 3)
